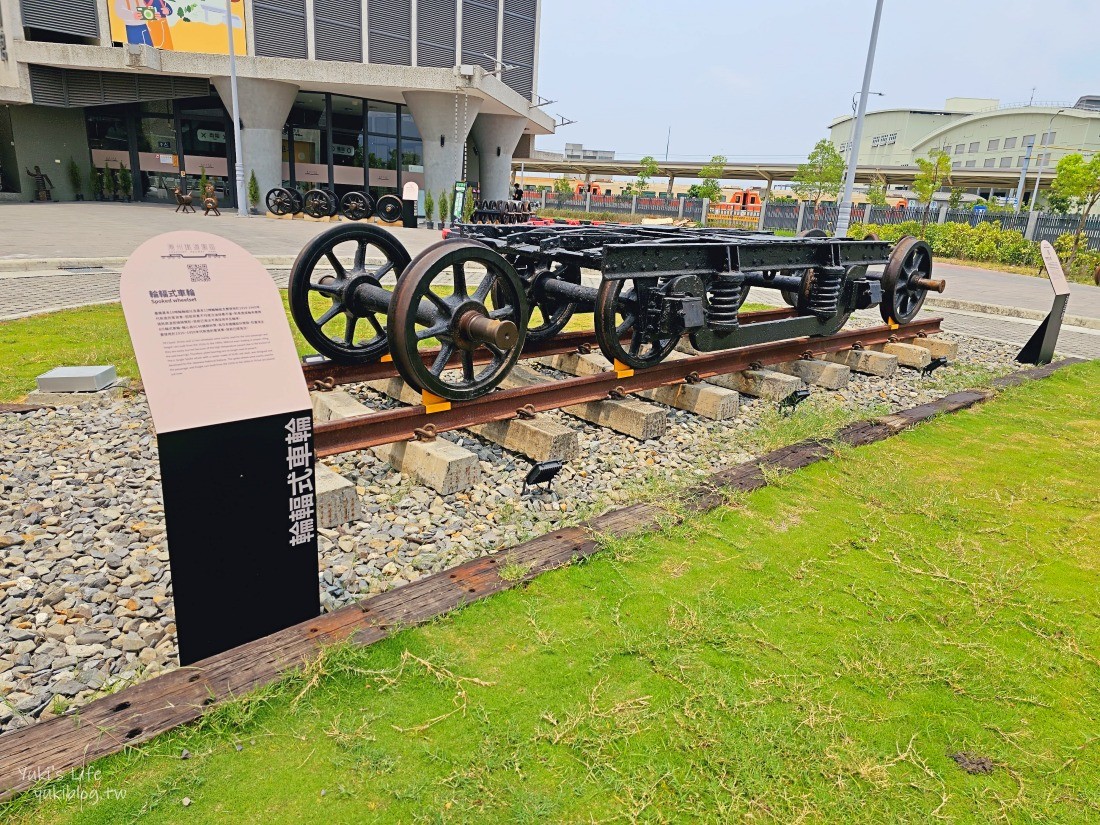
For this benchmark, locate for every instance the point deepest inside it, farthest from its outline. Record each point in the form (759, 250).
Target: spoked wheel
(316, 203)
(389, 208)
(340, 289)
(280, 202)
(357, 205)
(906, 280)
(621, 311)
(435, 301)
(549, 313)
(299, 201)
(790, 296)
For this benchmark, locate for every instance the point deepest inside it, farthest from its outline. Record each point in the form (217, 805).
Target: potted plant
(125, 183)
(443, 204)
(76, 178)
(253, 193)
(429, 210)
(112, 183)
(468, 208)
(97, 184)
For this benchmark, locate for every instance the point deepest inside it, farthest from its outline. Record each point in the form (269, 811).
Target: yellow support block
(622, 370)
(386, 359)
(433, 403)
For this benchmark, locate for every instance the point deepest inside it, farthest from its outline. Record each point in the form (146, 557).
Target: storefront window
(348, 160)
(309, 129)
(382, 118)
(158, 160)
(107, 139)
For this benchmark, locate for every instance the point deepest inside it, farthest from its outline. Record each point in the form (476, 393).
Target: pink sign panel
(211, 337)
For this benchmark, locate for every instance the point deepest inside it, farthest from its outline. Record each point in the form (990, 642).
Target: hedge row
(986, 242)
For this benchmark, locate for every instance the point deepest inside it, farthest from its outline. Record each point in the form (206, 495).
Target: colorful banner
(178, 25)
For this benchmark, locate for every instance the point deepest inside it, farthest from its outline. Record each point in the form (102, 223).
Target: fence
(691, 208)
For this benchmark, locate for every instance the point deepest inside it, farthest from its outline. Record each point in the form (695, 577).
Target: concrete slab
(629, 416)
(539, 438)
(938, 347)
(908, 355)
(866, 361)
(337, 499)
(763, 383)
(77, 379)
(826, 374)
(440, 464)
(576, 363)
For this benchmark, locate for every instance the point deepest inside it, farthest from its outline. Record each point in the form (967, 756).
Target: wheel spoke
(636, 341)
(430, 332)
(374, 323)
(383, 270)
(467, 365)
(360, 254)
(459, 272)
(336, 265)
(445, 353)
(627, 323)
(335, 290)
(482, 291)
(349, 328)
(438, 301)
(332, 312)
(501, 312)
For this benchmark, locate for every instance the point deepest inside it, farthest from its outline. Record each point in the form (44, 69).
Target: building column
(434, 113)
(671, 184)
(496, 137)
(264, 106)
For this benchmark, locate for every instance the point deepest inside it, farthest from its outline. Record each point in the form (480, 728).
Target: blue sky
(763, 80)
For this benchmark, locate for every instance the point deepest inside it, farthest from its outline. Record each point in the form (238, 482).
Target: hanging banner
(178, 25)
(235, 435)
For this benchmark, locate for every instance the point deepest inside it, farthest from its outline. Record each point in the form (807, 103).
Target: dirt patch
(972, 763)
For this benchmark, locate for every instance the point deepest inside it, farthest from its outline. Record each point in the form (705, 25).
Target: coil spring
(725, 300)
(825, 291)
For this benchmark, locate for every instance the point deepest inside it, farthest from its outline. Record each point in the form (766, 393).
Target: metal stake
(242, 194)
(844, 214)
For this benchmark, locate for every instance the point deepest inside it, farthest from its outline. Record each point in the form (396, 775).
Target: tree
(821, 175)
(711, 174)
(1058, 204)
(253, 190)
(955, 201)
(1078, 180)
(443, 204)
(935, 171)
(76, 178)
(563, 186)
(429, 206)
(648, 170)
(876, 191)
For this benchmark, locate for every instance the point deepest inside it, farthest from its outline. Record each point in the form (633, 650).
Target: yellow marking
(892, 324)
(386, 358)
(622, 370)
(433, 403)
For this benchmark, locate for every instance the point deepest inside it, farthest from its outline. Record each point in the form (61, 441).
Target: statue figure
(210, 202)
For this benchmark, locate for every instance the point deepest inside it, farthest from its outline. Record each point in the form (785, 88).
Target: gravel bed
(85, 589)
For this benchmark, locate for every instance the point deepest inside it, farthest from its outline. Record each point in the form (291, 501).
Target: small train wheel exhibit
(281, 201)
(906, 281)
(437, 300)
(340, 290)
(389, 208)
(357, 206)
(319, 203)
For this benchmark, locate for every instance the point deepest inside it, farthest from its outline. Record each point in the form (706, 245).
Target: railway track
(428, 419)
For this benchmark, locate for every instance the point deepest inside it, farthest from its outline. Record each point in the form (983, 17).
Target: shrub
(253, 190)
(429, 206)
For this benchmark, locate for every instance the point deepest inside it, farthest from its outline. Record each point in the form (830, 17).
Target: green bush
(986, 242)
(1086, 266)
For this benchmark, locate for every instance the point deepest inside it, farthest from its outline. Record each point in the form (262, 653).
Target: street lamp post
(844, 215)
(1039, 167)
(242, 195)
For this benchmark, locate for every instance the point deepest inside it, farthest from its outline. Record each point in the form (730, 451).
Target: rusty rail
(360, 432)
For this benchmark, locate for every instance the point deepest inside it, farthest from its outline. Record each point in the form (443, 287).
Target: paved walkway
(114, 230)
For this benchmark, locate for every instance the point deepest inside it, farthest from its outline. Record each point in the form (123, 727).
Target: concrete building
(978, 133)
(345, 94)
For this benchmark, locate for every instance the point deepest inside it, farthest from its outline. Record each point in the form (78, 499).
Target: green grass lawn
(814, 651)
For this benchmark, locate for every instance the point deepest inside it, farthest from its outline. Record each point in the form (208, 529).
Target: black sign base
(236, 575)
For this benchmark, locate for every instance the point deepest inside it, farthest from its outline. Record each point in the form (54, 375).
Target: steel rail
(329, 374)
(402, 424)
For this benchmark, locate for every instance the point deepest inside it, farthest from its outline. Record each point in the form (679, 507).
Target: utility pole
(668, 140)
(242, 194)
(844, 215)
(1039, 163)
